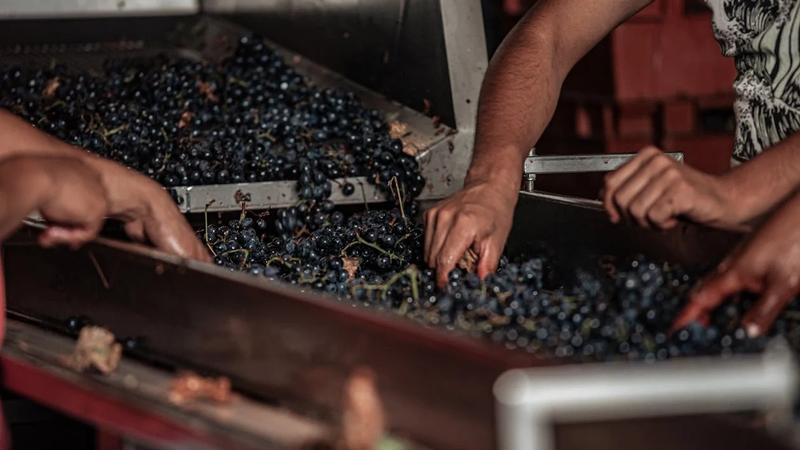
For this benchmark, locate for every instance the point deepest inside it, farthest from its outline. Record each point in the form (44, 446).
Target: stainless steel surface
(446, 166)
(46, 9)
(530, 401)
(582, 163)
(540, 165)
(274, 194)
(241, 422)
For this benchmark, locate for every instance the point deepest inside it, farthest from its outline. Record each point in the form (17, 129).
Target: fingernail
(753, 330)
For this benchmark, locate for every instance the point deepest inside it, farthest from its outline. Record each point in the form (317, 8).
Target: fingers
(429, 219)
(489, 251)
(175, 237)
(135, 230)
(640, 191)
(617, 178)
(457, 241)
(72, 237)
(778, 294)
(708, 296)
(201, 252)
(440, 232)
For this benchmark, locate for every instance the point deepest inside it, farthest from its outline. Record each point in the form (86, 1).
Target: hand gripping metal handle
(530, 401)
(537, 165)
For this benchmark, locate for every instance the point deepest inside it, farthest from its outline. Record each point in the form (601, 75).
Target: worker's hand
(151, 215)
(655, 190)
(767, 264)
(478, 217)
(75, 204)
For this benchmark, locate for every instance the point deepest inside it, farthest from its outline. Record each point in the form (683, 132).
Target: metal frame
(540, 165)
(445, 166)
(31, 362)
(46, 9)
(531, 401)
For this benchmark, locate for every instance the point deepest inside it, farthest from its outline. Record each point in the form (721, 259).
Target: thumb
(59, 235)
(135, 230)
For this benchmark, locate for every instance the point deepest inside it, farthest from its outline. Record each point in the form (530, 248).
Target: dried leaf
(437, 121)
(428, 105)
(186, 118)
(51, 87)
(190, 386)
(207, 90)
(350, 264)
(410, 149)
(397, 130)
(96, 349)
(469, 262)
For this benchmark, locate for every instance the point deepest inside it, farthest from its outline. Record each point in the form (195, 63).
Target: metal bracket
(537, 165)
(530, 401)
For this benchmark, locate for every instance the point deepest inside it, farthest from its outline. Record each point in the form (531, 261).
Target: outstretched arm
(147, 210)
(518, 97)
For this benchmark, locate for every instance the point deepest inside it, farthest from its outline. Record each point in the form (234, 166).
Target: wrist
(497, 165)
(28, 178)
(503, 179)
(129, 193)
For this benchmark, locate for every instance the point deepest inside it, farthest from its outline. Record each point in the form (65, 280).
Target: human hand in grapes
(768, 264)
(479, 218)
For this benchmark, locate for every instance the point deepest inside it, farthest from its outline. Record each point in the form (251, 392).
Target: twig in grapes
(99, 270)
(398, 196)
(360, 240)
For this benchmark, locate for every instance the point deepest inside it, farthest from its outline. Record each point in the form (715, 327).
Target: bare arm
(21, 138)
(518, 97)
(22, 189)
(147, 210)
(758, 187)
(524, 79)
(66, 191)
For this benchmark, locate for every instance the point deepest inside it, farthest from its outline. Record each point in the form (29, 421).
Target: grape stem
(239, 250)
(205, 218)
(411, 272)
(243, 214)
(360, 240)
(398, 196)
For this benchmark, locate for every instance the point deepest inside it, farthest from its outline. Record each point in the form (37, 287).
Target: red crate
(665, 52)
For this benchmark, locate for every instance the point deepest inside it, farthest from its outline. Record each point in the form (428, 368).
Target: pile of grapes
(598, 311)
(252, 118)
(249, 118)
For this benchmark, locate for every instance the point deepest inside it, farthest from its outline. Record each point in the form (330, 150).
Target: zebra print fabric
(763, 37)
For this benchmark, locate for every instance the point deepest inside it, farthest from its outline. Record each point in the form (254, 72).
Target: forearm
(23, 188)
(762, 184)
(522, 85)
(19, 138)
(518, 98)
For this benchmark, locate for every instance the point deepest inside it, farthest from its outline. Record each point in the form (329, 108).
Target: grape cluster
(250, 118)
(595, 311)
